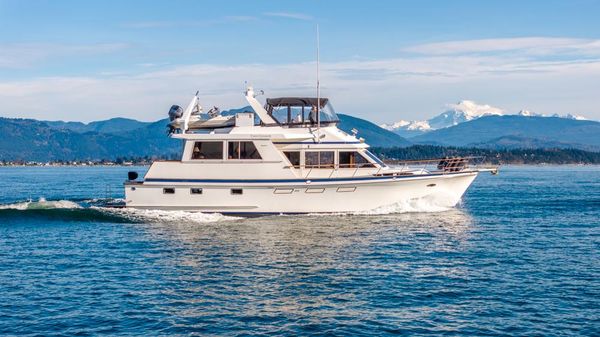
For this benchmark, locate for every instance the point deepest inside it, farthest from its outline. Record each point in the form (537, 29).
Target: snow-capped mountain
(528, 113)
(461, 112)
(417, 126)
(576, 117)
(455, 114)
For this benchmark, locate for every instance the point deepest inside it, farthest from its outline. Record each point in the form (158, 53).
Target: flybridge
(284, 111)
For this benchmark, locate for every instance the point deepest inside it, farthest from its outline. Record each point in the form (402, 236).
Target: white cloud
(528, 45)
(21, 55)
(379, 90)
(288, 15)
(188, 23)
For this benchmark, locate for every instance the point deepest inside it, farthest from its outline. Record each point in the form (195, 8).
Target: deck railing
(439, 165)
(403, 167)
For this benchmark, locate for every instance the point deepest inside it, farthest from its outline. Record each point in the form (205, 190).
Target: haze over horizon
(70, 60)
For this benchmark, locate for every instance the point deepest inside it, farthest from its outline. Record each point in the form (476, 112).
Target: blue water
(520, 256)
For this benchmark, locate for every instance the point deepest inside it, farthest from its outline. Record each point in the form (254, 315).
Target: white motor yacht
(287, 156)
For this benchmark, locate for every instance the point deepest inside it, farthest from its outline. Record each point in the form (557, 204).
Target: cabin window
(293, 157)
(243, 150)
(168, 190)
(195, 191)
(374, 157)
(352, 159)
(319, 159)
(237, 191)
(207, 150)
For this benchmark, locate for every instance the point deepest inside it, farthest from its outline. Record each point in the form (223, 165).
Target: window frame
(290, 162)
(319, 165)
(229, 142)
(208, 141)
(367, 164)
(197, 189)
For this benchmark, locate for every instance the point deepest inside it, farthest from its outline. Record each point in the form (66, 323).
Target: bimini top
(301, 111)
(297, 101)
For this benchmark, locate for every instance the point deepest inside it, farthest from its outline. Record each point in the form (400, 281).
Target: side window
(352, 159)
(293, 157)
(374, 157)
(207, 150)
(319, 159)
(243, 150)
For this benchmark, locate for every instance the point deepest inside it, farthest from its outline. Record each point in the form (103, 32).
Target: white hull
(316, 196)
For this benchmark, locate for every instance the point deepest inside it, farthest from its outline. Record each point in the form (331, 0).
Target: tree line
(494, 156)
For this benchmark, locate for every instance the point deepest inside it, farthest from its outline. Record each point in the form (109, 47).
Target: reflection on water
(318, 232)
(307, 267)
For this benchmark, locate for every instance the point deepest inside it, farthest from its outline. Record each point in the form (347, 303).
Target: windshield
(303, 114)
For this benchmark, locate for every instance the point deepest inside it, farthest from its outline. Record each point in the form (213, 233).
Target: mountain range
(514, 131)
(463, 111)
(34, 140)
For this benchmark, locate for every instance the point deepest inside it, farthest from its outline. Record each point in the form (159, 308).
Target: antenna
(318, 91)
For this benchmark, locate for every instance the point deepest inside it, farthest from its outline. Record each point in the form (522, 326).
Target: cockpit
(301, 111)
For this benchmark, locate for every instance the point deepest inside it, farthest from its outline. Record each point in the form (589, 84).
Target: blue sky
(381, 60)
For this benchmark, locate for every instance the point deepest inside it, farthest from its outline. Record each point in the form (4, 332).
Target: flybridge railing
(404, 167)
(443, 165)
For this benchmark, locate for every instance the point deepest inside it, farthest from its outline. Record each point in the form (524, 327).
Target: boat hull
(301, 196)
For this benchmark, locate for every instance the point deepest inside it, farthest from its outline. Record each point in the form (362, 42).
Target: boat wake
(95, 210)
(421, 205)
(147, 215)
(429, 204)
(41, 204)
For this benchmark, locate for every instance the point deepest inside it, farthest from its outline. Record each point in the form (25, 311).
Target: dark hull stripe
(270, 181)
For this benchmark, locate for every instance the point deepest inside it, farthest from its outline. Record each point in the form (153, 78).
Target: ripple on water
(516, 258)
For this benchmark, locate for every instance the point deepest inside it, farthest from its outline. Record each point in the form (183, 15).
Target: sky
(380, 60)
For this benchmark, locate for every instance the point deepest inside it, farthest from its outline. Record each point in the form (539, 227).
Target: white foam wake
(411, 206)
(429, 204)
(150, 215)
(41, 204)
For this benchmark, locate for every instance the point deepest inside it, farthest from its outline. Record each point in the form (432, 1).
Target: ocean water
(520, 256)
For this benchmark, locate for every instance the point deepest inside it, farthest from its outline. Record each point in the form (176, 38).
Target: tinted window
(243, 150)
(208, 150)
(237, 191)
(319, 159)
(168, 190)
(353, 159)
(195, 191)
(293, 157)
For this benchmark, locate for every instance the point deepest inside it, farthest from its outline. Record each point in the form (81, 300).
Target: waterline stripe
(252, 181)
